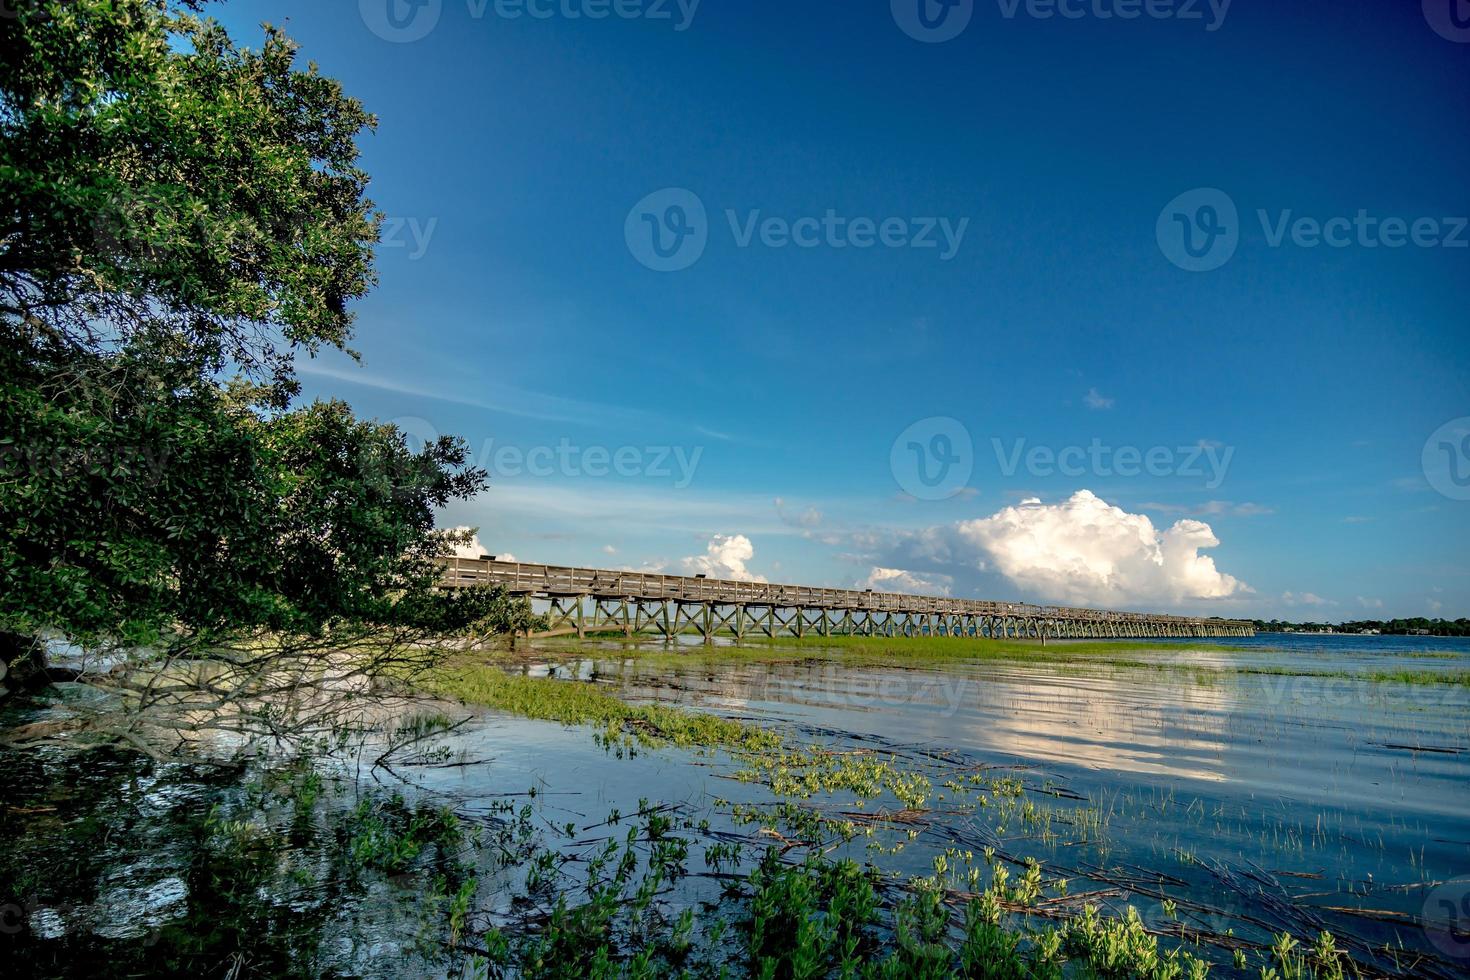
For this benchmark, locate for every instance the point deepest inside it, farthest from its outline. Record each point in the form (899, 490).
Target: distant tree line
(1400, 627)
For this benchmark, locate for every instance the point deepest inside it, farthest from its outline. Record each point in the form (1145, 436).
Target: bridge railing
(563, 581)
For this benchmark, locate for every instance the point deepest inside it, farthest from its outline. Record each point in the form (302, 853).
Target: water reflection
(1100, 720)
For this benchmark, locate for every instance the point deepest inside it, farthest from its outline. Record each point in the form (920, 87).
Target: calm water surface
(1257, 801)
(1299, 802)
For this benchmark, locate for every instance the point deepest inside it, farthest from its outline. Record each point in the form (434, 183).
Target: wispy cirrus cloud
(511, 400)
(1213, 508)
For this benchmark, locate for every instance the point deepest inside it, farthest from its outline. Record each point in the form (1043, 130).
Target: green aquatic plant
(579, 703)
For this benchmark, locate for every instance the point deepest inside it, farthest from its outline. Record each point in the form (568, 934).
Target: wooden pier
(591, 600)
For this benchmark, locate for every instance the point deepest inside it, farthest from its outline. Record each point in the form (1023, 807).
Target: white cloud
(901, 580)
(1096, 401)
(470, 546)
(1305, 599)
(608, 549)
(1434, 605)
(1367, 603)
(510, 401)
(724, 557)
(1085, 550)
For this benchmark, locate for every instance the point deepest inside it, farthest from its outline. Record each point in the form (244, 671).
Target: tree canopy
(164, 186)
(183, 218)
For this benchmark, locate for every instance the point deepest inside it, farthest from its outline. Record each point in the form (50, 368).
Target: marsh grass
(932, 651)
(581, 703)
(823, 918)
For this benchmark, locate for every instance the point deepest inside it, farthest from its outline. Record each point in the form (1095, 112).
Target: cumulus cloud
(468, 544)
(724, 557)
(1368, 603)
(902, 580)
(1079, 551)
(1096, 401)
(1305, 599)
(1085, 550)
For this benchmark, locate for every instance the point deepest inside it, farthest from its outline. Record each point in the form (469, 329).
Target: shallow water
(1326, 792)
(1256, 802)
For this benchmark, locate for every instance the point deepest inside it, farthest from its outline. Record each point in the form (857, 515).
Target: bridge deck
(557, 582)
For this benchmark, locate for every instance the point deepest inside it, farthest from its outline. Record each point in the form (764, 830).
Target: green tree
(178, 210)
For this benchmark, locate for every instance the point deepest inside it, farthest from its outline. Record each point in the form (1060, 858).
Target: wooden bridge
(591, 600)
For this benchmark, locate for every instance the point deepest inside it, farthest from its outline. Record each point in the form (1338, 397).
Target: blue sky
(925, 268)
